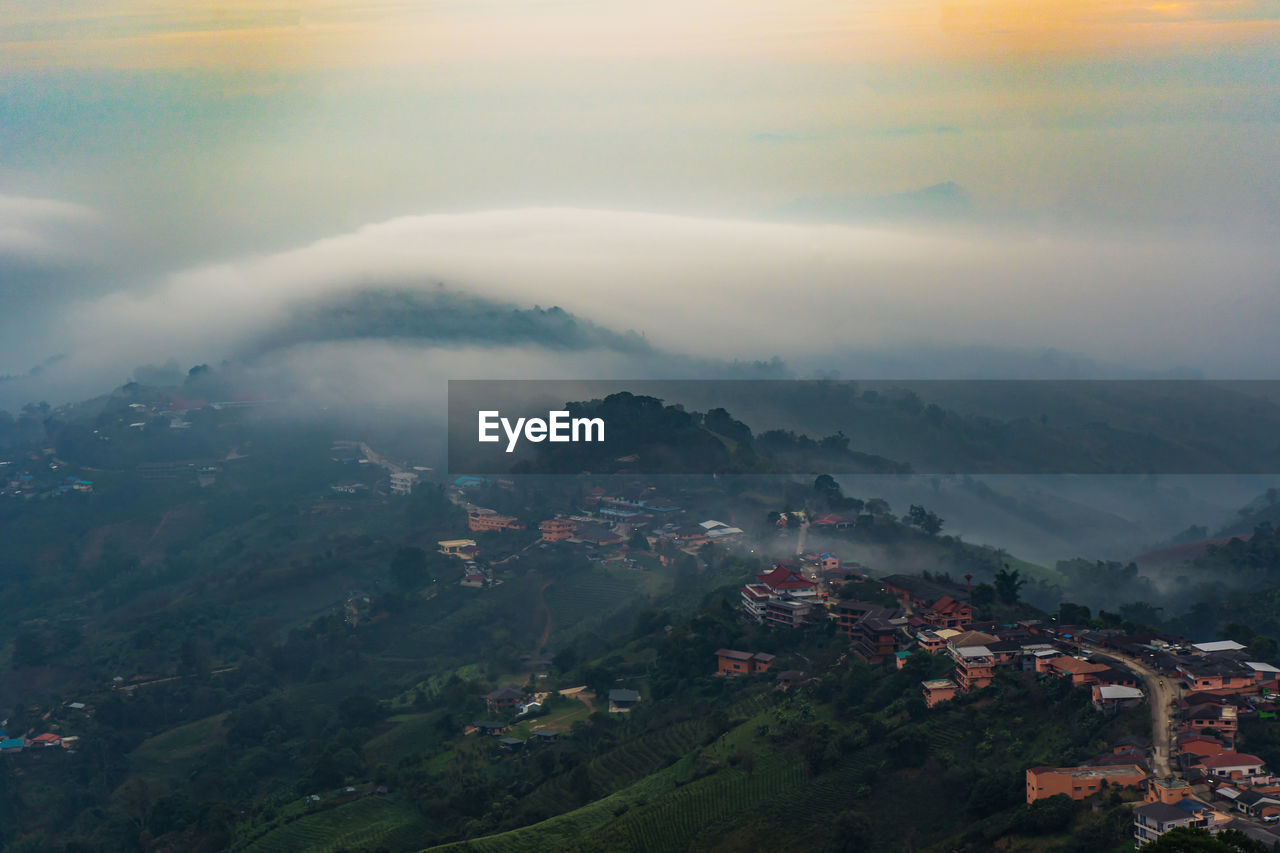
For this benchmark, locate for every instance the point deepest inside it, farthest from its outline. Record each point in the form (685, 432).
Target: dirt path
(160, 526)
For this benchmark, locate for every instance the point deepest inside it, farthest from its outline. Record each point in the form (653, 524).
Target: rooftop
(1161, 812)
(1218, 646)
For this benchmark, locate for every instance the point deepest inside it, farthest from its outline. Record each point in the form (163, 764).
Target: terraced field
(655, 805)
(622, 766)
(365, 824)
(574, 601)
(673, 821)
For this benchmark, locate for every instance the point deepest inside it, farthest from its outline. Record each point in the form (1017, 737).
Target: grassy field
(410, 734)
(561, 719)
(171, 753)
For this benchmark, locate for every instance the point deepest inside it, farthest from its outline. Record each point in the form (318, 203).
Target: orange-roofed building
(1081, 782)
(1081, 672)
(1170, 790)
(971, 638)
(1200, 745)
(556, 529)
(489, 520)
(939, 690)
(734, 662)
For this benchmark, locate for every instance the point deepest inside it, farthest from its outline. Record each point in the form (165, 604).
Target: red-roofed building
(946, 612)
(46, 739)
(782, 596)
(790, 581)
(1198, 746)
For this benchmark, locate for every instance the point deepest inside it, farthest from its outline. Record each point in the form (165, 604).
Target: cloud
(722, 289)
(38, 230)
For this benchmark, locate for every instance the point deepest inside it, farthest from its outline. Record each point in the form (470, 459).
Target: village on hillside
(1193, 775)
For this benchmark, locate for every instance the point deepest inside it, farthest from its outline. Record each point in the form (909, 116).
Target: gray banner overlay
(849, 426)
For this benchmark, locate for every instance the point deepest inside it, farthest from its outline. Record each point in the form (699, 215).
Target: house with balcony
(935, 642)
(788, 612)
(947, 612)
(482, 520)
(1222, 718)
(556, 529)
(879, 635)
(975, 667)
(782, 597)
(1152, 820)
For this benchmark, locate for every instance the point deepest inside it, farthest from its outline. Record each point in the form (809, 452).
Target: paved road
(1162, 696)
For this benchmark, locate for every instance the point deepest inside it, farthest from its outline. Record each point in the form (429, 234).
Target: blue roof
(12, 743)
(468, 480)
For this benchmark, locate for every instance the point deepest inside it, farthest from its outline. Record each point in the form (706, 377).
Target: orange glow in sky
(322, 34)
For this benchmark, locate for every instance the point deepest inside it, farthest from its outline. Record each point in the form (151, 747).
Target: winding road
(1162, 696)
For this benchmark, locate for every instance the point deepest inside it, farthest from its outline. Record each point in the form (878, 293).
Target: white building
(402, 482)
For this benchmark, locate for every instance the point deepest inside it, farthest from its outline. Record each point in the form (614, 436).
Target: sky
(806, 179)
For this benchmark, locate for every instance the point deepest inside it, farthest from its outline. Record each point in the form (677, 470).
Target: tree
(409, 568)
(638, 542)
(1187, 840)
(1073, 614)
(1008, 583)
(28, 649)
(359, 710)
(850, 833)
(984, 595)
(920, 517)
(878, 506)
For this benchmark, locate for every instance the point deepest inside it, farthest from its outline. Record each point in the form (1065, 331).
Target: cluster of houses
(1220, 684)
(795, 593)
(466, 550)
(513, 702)
(39, 474)
(47, 740)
